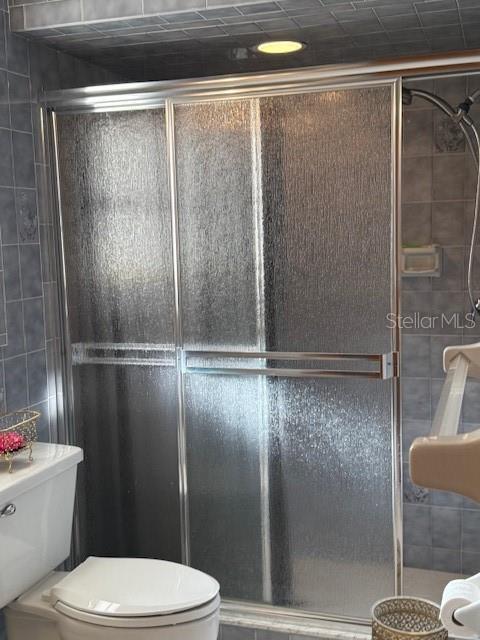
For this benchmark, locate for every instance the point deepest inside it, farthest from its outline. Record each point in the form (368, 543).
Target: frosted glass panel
(117, 231)
(326, 161)
(325, 446)
(217, 224)
(126, 422)
(223, 463)
(330, 467)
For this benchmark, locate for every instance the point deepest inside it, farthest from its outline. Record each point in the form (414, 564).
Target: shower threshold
(253, 617)
(421, 583)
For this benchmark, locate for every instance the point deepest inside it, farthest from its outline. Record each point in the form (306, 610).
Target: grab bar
(447, 460)
(386, 364)
(447, 415)
(459, 362)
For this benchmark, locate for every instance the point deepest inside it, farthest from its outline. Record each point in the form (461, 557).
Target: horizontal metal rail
(285, 355)
(123, 353)
(121, 96)
(148, 355)
(289, 373)
(386, 364)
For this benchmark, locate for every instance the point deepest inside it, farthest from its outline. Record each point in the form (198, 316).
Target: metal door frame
(165, 95)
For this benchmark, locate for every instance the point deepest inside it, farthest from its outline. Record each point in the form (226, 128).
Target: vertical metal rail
(397, 470)
(65, 338)
(257, 202)
(182, 436)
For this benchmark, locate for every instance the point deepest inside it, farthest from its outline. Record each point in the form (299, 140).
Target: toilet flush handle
(9, 510)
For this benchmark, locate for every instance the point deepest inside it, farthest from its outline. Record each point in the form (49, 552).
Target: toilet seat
(140, 622)
(135, 592)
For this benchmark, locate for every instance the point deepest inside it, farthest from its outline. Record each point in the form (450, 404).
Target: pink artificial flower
(11, 442)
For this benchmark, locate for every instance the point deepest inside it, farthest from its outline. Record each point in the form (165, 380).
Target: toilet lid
(133, 587)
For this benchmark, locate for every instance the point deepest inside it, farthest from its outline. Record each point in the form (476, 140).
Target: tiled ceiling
(221, 39)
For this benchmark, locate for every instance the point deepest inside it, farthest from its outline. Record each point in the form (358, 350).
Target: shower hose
(463, 120)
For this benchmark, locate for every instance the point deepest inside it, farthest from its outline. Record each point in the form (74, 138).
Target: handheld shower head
(464, 108)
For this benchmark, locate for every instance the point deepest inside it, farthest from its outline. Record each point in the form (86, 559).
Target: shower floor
(425, 583)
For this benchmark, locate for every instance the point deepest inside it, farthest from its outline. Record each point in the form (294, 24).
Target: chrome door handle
(386, 364)
(9, 510)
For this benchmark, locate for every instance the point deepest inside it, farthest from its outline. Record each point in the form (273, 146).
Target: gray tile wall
(27, 363)
(441, 529)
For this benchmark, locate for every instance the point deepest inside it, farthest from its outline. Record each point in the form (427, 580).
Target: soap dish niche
(418, 262)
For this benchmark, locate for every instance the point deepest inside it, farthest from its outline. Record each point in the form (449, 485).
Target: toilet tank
(36, 513)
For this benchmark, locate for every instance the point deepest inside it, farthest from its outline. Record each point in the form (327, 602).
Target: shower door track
(166, 95)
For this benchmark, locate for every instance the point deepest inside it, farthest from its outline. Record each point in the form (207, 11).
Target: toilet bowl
(121, 599)
(103, 598)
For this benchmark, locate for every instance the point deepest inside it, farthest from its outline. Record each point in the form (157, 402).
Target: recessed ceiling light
(280, 46)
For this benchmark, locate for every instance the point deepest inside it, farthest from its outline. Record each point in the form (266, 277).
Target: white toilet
(103, 598)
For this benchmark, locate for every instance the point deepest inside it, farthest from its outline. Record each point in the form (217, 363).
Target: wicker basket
(406, 618)
(18, 432)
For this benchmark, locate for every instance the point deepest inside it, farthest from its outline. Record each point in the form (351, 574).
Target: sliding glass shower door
(233, 373)
(285, 226)
(117, 253)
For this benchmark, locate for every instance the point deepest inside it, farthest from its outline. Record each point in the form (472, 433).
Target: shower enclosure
(229, 266)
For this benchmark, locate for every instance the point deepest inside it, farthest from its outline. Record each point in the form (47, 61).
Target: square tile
(448, 177)
(448, 560)
(446, 527)
(470, 563)
(15, 332)
(23, 159)
(418, 133)
(417, 179)
(439, 18)
(20, 108)
(416, 399)
(11, 262)
(8, 219)
(448, 223)
(6, 163)
(417, 525)
(30, 270)
(452, 270)
(17, 53)
(26, 213)
(417, 556)
(16, 383)
(470, 531)
(34, 324)
(4, 100)
(37, 377)
(416, 356)
(43, 423)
